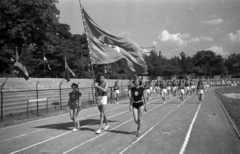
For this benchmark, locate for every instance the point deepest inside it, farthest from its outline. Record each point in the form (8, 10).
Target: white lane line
(44, 119)
(64, 134)
(15, 137)
(94, 138)
(124, 150)
(189, 132)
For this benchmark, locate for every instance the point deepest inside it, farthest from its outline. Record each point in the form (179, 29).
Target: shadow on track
(69, 125)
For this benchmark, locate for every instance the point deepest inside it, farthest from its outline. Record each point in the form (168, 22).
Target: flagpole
(93, 74)
(44, 68)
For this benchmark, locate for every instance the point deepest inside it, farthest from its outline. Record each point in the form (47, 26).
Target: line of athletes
(139, 95)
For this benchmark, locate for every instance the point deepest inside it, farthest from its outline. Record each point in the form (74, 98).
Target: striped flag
(45, 60)
(107, 48)
(19, 69)
(67, 70)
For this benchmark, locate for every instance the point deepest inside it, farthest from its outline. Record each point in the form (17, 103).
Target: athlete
(101, 88)
(169, 88)
(116, 91)
(187, 87)
(74, 105)
(174, 88)
(147, 90)
(163, 86)
(200, 90)
(181, 90)
(137, 104)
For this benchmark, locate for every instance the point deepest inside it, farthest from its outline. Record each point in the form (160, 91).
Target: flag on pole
(45, 60)
(19, 69)
(67, 70)
(107, 48)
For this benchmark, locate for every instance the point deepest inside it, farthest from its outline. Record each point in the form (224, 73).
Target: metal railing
(56, 97)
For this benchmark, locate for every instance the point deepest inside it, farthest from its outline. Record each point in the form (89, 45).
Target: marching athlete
(116, 91)
(181, 90)
(200, 90)
(101, 88)
(137, 104)
(187, 87)
(163, 86)
(74, 105)
(147, 90)
(174, 88)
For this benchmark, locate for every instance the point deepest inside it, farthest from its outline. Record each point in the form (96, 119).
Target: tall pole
(2, 98)
(44, 69)
(93, 74)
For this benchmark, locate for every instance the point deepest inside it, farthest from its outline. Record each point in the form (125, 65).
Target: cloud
(173, 39)
(213, 22)
(177, 40)
(210, 39)
(218, 50)
(235, 38)
(194, 40)
(154, 43)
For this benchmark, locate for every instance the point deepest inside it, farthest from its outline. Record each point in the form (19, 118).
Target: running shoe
(116, 102)
(74, 129)
(107, 126)
(98, 131)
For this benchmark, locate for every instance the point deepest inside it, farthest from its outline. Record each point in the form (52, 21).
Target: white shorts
(164, 91)
(148, 91)
(192, 87)
(174, 88)
(116, 92)
(151, 88)
(188, 88)
(102, 100)
(182, 91)
(168, 88)
(200, 91)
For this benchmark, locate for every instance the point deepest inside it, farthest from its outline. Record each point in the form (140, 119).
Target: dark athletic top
(73, 97)
(116, 87)
(137, 93)
(163, 85)
(200, 87)
(100, 92)
(181, 85)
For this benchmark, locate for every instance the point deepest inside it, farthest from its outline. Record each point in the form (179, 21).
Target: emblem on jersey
(136, 93)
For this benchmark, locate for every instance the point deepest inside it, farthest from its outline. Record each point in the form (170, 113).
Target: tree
(27, 22)
(208, 63)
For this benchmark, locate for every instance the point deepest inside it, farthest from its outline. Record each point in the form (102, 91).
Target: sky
(172, 26)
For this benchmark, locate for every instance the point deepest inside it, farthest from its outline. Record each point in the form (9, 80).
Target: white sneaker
(98, 131)
(106, 127)
(164, 102)
(74, 129)
(116, 102)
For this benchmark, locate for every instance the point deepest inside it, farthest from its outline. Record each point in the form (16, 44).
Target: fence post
(111, 91)
(37, 95)
(60, 94)
(1, 105)
(121, 90)
(93, 93)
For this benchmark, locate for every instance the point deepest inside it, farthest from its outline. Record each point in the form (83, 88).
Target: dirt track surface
(171, 128)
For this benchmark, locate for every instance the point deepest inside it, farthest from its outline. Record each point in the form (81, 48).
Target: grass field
(232, 105)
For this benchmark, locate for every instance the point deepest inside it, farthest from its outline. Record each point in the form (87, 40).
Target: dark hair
(74, 84)
(98, 77)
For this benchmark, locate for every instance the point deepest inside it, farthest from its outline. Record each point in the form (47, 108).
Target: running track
(170, 128)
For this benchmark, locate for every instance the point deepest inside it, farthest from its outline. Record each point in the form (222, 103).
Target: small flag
(67, 70)
(45, 60)
(19, 69)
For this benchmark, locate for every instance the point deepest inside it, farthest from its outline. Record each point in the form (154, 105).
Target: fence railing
(13, 102)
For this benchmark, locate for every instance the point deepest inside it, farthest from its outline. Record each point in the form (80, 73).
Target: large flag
(67, 70)
(19, 69)
(107, 48)
(45, 60)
